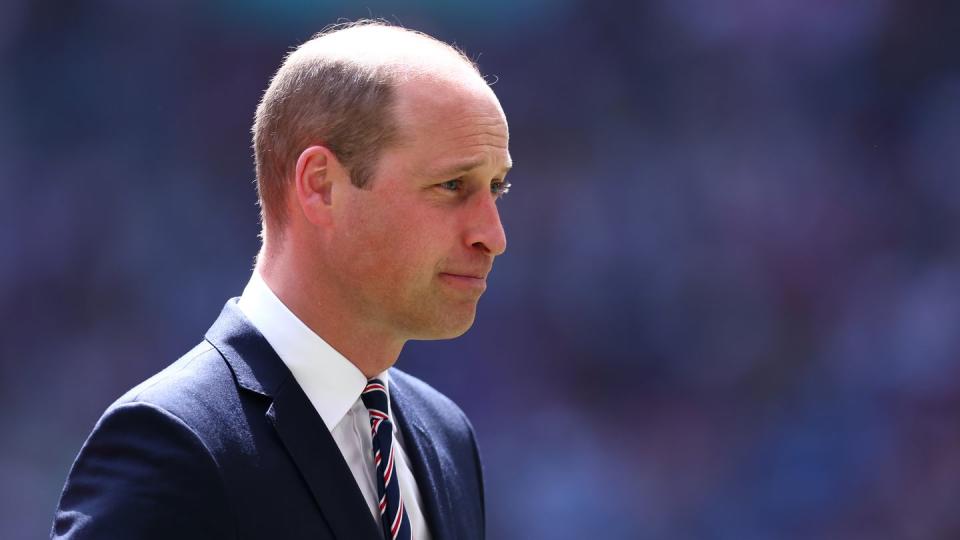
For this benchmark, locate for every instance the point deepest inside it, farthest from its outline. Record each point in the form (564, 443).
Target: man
(380, 156)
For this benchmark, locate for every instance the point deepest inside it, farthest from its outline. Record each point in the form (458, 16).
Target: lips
(475, 282)
(475, 272)
(473, 275)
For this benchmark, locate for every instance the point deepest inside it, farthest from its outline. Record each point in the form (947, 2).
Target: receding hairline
(398, 53)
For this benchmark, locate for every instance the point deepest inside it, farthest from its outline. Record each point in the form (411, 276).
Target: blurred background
(730, 307)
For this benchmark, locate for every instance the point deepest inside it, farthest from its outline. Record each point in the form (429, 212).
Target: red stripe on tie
(388, 474)
(396, 521)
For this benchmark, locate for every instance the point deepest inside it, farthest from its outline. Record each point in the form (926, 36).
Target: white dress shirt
(333, 385)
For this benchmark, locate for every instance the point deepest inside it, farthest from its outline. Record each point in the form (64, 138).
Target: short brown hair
(315, 100)
(329, 99)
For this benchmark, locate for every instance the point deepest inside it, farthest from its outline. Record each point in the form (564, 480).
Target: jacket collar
(255, 365)
(331, 382)
(258, 369)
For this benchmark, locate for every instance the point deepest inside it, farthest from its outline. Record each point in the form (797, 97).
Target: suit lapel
(426, 462)
(322, 465)
(301, 430)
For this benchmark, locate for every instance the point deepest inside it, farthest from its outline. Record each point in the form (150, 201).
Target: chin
(445, 328)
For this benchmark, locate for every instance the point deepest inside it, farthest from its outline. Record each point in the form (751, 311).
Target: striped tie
(396, 524)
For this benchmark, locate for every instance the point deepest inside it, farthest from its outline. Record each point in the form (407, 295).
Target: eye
(499, 188)
(452, 185)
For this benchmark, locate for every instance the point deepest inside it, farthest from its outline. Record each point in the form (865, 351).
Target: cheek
(394, 245)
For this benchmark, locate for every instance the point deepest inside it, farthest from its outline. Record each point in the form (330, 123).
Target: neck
(327, 313)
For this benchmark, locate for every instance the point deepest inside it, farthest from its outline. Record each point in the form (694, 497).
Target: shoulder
(427, 401)
(444, 427)
(191, 378)
(145, 471)
(198, 389)
(433, 412)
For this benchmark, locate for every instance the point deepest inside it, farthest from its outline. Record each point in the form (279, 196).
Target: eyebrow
(462, 167)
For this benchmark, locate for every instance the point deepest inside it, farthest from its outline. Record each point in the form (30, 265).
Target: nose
(485, 232)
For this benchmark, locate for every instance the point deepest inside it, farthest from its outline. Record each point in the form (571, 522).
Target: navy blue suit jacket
(224, 444)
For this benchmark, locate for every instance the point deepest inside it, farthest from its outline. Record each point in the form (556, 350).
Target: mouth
(465, 281)
(473, 275)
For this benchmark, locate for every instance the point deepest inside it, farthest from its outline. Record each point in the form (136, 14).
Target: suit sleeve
(478, 463)
(143, 473)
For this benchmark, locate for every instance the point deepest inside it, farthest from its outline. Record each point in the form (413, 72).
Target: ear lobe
(313, 178)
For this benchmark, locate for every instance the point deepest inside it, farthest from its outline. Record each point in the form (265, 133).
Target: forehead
(451, 120)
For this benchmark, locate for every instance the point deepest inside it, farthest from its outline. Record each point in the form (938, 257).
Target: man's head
(380, 155)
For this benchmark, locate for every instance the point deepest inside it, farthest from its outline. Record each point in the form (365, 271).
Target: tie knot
(375, 397)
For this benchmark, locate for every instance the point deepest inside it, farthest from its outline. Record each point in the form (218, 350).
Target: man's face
(415, 247)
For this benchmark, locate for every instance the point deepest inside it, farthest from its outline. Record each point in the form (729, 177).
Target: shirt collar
(331, 382)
